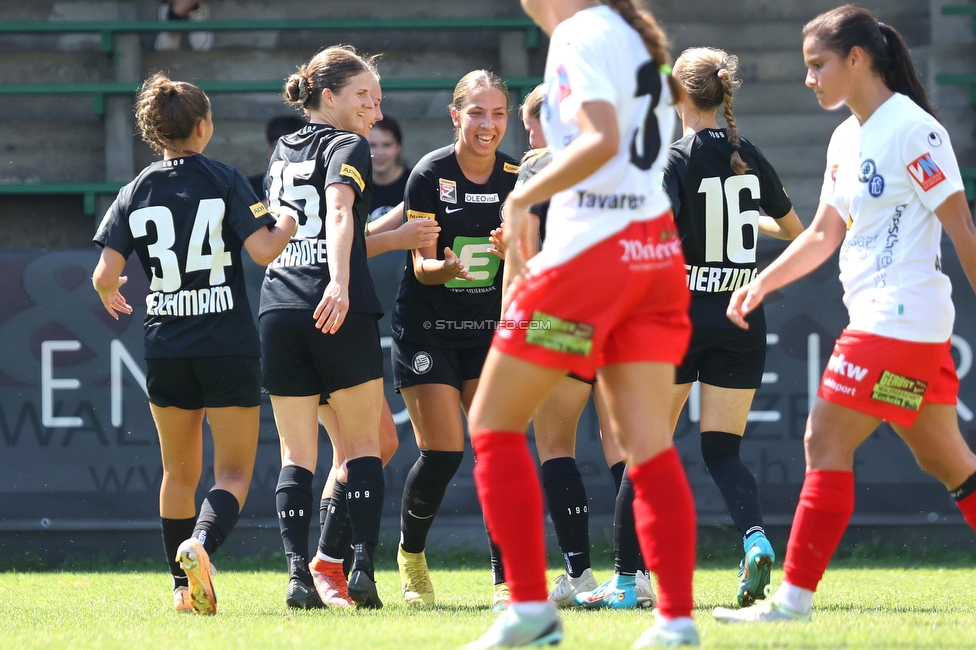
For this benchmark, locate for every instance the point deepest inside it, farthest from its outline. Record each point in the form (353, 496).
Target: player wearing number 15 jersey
(718, 181)
(605, 296)
(187, 218)
(319, 313)
(448, 304)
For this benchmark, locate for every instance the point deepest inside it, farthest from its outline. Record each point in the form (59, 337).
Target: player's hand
(452, 264)
(743, 301)
(114, 302)
(419, 233)
(497, 239)
(332, 309)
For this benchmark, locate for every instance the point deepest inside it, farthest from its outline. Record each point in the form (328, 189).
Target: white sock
(532, 607)
(676, 624)
(796, 599)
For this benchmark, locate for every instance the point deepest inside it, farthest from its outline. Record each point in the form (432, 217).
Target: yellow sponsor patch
(413, 215)
(258, 210)
(353, 173)
(900, 391)
(510, 168)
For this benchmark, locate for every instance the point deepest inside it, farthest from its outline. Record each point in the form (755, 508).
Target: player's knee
(719, 446)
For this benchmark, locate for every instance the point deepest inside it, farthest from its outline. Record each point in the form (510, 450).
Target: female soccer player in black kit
(448, 305)
(187, 217)
(319, 313)
(717, 181)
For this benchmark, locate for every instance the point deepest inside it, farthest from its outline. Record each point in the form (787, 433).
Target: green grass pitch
(861, 604)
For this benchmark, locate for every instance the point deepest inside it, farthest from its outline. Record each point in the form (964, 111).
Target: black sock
(495, 558)
(627, 559)
(175, 532)
(217, 518)
(365, 489)
(324, 504)
(423, 492)
(968, 487)
(720, 451)
(293, 499)
(617, 470)
(335, 534)
(568, 508)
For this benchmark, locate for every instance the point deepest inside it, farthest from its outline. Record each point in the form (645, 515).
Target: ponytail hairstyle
(843, 28)
(331, 68)
(168, 111)
(643, 22)
(532, 108)
(708, 77)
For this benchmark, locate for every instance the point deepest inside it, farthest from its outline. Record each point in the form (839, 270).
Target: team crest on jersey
(258, 210)
(867, 170)
(925, 172)
(351, 172)
(562, 78)
(448, 190)
(876, 185)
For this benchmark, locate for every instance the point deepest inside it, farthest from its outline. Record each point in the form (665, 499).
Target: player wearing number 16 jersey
(717, 182)
(447, 307)
(187, 217)
(605, 296)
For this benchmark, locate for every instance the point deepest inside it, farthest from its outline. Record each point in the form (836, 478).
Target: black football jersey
(387, 197)
(187, 220)
(303, 164)
(717, 214)
(460, 313)
(527, 170)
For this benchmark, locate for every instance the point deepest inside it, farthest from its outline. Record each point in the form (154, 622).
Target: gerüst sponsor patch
(258, 210)
(481, 198)
(925, 172)
(510, 168)
(560, 335)
(353, 173)
(413, 215)
(448, 190)
(900, 391)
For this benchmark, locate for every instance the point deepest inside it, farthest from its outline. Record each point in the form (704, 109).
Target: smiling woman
(448, 305)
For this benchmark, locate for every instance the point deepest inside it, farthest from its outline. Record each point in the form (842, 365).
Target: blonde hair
(532, 108)
(708, 76)
(331, 68)
(168, 111)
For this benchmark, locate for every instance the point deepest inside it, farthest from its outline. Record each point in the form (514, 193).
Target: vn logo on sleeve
(925, 172)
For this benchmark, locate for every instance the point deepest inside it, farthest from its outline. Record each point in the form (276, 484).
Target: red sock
(825, 508)
(511, 498)
(968, 508)
(666, 529)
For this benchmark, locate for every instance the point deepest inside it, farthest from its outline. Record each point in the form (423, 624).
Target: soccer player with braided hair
(718, 181)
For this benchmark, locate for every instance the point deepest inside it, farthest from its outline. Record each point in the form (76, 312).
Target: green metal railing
(961, 10)
(88, 191)
(108, 29)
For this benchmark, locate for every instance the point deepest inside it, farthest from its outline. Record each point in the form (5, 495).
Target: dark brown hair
(841, 29)
(331, 68)
(708, 76)
(643, 22)
(167, 111)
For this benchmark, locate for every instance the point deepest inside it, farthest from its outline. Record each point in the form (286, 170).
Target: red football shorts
(623, 300)
(888, 378)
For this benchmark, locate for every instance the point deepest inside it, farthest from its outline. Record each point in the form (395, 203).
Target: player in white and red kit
(606, 295)
(891, 185)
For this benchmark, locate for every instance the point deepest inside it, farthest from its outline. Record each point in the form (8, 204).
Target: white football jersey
(886, 177)
(596, 56)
